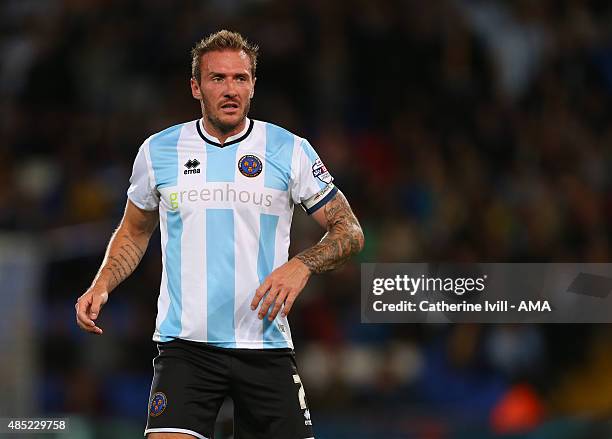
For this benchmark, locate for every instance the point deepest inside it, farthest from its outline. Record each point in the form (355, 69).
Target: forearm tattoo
(122, 262)
(343, 239)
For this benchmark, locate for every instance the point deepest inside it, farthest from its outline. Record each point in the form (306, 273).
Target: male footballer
(222, 189)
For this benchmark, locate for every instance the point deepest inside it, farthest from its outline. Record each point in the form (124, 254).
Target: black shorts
(192, 379)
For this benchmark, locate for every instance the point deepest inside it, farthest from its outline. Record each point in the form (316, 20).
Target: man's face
(225, 89)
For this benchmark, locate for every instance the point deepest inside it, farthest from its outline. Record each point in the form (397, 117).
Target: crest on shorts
(158, 404)
(320, 171)
(250, 165)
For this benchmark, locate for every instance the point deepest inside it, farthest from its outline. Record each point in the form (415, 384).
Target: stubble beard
(217, 123)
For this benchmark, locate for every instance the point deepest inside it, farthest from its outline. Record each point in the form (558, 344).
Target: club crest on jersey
(320, 171)
(250, 165)
(158, 404)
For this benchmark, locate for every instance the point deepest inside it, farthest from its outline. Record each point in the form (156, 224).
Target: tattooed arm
(343, 239)
(125, 250)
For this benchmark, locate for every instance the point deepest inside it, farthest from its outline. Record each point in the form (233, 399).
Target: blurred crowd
(466, 130)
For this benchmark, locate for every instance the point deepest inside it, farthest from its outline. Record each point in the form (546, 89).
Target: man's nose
(230, 90)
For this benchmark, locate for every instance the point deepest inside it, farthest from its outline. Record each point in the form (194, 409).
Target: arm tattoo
(124, 261)
(139, 251)
(343, 239)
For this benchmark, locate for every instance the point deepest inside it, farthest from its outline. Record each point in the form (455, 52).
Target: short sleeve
(142, 191)
(312, 184)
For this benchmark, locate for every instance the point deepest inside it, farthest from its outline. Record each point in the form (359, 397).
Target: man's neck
(221, 135)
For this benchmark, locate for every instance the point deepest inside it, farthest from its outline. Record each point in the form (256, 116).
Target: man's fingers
(93, 329)
(84, 308)
(83, 305)
(260, 292)
(98, 301)
(263, 310)
(88, 325)
(288, 304)
(278, 303)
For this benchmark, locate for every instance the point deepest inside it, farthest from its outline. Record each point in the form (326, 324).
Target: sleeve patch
(319, 170)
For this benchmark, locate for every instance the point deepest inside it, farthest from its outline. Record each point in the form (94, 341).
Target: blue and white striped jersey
(225, 214)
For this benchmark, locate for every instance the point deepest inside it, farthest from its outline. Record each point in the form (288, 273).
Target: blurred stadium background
(466, 130)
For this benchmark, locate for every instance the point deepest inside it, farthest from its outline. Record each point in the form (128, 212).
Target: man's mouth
(230, 106)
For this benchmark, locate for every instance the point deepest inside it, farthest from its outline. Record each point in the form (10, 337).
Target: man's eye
(241, 79)
(217, 79)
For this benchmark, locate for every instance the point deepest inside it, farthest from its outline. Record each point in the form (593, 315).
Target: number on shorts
(301, 393)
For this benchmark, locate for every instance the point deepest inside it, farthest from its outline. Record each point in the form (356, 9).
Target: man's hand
(88, 309)
(123, 254)
(283, 285)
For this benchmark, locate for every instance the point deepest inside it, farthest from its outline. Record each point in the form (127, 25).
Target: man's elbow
(358, 239)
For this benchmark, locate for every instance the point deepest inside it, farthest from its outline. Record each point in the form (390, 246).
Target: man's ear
(195, 89)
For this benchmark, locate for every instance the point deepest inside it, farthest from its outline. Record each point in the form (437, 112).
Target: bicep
(336, 211)
(319, 217)
(138, 221)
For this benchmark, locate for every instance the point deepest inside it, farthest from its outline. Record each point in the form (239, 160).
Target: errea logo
(192, 167)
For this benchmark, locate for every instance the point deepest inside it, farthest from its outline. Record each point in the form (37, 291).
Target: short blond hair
(222, 40)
